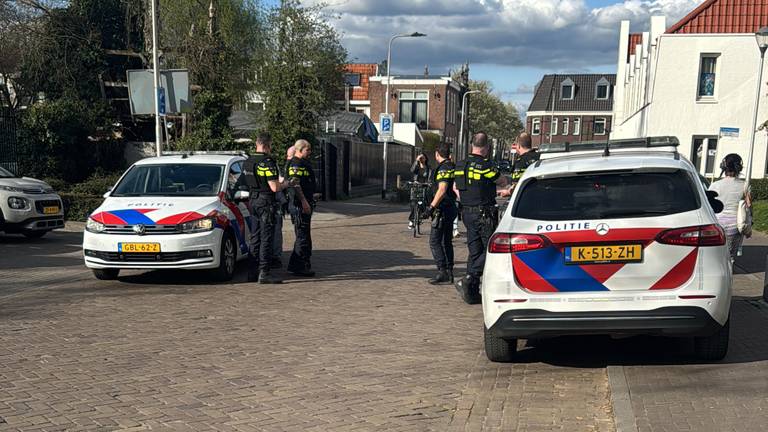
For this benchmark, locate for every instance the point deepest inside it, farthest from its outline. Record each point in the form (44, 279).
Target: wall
(585, 130)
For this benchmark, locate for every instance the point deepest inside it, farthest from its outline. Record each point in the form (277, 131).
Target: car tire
(497, 349)
(227, 259)
(106, 274)
(713, 347)
(34, 234)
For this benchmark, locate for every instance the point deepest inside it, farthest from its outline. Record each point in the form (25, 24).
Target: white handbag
(744, 219)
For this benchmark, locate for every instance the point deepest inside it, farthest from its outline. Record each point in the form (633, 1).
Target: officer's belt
(478, 209)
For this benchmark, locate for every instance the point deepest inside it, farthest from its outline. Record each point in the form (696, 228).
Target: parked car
(616, 241)
(28, 206)
(171, 212)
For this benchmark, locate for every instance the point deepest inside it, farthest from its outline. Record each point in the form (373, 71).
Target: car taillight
(705, 235)
(512, 243)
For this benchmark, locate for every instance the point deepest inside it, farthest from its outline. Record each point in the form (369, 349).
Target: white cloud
(549, 34)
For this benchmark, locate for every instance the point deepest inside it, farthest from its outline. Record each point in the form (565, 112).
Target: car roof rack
(658, 143)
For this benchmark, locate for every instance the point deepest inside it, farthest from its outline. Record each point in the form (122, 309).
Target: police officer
(526, 155)
(443, 211)
(476, 179)
(261, 176)
(301, 205)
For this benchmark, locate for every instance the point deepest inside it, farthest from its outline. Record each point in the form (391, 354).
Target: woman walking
(730, 190)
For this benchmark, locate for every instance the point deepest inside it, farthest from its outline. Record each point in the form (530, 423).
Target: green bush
(759, 189)
(95, 185)
(77, 207)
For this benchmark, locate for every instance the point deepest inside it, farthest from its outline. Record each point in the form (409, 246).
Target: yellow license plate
(138, 247)
(50, 210)
(603, 254)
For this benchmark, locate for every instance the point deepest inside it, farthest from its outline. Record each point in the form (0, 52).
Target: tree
(489, 114)
(301, 73)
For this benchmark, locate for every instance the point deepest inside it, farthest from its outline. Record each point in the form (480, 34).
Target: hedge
(77, 207)
(759, 189)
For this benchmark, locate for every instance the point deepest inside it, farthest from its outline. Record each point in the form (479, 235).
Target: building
(356, 87)
(571, 108)
(693, 79)
(431, 102)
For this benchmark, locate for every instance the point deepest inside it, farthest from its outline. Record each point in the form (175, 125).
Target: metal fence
(9, 140)
(367, 164)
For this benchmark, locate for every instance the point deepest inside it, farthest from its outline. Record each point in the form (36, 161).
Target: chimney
(426, 71)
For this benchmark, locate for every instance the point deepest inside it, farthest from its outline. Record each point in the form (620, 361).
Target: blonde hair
(300, 145)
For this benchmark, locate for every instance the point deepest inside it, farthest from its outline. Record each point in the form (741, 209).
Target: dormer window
(567, 89)
(602, 89)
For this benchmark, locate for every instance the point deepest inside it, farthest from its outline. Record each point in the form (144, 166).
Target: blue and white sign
(729, 132)
(386, 127)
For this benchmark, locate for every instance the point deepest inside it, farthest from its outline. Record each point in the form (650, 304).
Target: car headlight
(199, 225)
(11, 189)
(18, 203)
(94, 226)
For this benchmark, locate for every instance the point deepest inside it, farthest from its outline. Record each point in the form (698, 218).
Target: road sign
(161, 101)
(729, 132)
(386, 127)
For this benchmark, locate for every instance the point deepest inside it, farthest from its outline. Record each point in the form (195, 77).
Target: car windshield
(170, 180)
(607, 196)
(4, 173)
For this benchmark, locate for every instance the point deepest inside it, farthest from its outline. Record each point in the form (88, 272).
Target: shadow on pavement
(17, 251)
(748, 343)
(752, 260)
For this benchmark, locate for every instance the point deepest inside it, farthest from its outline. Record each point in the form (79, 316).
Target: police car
(619, 239)
(171, 212)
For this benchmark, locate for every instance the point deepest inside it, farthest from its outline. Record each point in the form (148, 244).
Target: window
(711, 155)
(607, 195)
(602, 89)
(599, 126)
(554, 127)
(235, 171)
(577, 127)
(707, 75)
(536, 126)
(352, 79)
(566, 89)
(413, 108)
(565, 126)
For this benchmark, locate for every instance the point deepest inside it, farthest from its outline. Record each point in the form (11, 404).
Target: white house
(693, 79)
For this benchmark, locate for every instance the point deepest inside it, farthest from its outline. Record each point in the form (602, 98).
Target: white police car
(616, 241)
(171, 212)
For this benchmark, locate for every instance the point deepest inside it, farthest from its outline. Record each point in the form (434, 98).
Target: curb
(623, 415)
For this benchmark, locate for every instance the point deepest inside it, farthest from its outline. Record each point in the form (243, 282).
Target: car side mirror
(242, 195)
(715, 203)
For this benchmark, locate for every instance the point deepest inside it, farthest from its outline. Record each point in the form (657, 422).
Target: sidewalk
(749, 269)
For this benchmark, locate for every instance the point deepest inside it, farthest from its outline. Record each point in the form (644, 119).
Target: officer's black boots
(443, 277)
(267, 278)
(275, 263)
(469, 289)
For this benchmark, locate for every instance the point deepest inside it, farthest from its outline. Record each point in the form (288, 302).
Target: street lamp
(461, 126)
(386, 102)
(762, 43)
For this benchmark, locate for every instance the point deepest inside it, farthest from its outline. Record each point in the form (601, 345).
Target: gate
(9, 140)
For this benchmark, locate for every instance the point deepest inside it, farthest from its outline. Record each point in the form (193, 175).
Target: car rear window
(607, 196)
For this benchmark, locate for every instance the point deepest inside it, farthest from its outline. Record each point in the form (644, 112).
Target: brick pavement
(367, 346)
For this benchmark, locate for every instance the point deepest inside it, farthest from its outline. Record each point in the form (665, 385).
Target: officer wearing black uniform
(261, 176)
(443, 211)
(527, 156)
(301, 206)
(476, 179)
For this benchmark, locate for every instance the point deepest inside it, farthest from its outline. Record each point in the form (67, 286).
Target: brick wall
(586, 132)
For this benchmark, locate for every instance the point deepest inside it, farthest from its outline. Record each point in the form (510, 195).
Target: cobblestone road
(367, 346)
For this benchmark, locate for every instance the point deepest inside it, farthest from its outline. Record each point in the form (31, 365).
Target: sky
(511, 43)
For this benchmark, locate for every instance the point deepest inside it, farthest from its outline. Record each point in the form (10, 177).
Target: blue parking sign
(161, 100)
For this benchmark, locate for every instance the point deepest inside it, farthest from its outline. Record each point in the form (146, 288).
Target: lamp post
(762, 43)
(461, 126)
(156, 81)
(386, 103)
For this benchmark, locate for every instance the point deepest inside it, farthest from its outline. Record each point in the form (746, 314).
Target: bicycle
(419, 196)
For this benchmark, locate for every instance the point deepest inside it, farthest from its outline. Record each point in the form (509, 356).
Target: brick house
(356, 77)
(573, 107)
(432, 102)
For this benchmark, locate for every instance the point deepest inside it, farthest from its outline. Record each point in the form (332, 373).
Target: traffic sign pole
(156, 79)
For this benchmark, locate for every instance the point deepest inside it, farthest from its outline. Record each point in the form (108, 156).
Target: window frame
(602, 120)
(567, 83)
(536, 124)
(603, 83)
(414, 100)
(553, 126)
(577, 126)
(566, 126)
(713, 97)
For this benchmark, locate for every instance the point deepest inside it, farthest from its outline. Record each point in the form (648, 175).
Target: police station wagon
(618, 238)
(171, 212)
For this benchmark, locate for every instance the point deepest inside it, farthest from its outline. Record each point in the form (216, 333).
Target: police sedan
(615, 239)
